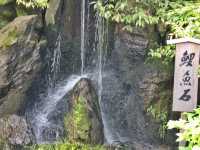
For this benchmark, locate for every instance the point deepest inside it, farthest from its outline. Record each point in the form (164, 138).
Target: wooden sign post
(186, 74)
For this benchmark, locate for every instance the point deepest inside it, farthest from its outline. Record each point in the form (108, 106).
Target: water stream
(101, 40)
(83, 36)
(55, 65)
(40, 120)
(44, 128)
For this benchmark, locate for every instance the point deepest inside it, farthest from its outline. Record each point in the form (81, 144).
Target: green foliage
(129, 12)
(190, 129)
(33, 3)
(64, 146)
(77, 123)
(162, 56)
(182, 16)
(178, 18)
(184, 19)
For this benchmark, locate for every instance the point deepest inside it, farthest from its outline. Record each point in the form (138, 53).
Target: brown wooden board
(186, 77)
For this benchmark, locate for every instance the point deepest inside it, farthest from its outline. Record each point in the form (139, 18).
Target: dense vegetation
(177, 18)
(170, 18)
(190, 130)
(33, 3)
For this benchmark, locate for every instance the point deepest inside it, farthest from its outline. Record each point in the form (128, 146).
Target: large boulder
(14, 131)
(83, 122)
(20, 61)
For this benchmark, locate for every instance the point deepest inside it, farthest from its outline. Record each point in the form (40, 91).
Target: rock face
(15, 131)
(83, 121)
(132, 93)
(20, 61)
(63, 19)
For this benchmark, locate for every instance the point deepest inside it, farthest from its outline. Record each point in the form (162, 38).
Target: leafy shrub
(162, 56)
(33, 3)
(182, 17)
(190, 130)
(171, 18)
(65, 146)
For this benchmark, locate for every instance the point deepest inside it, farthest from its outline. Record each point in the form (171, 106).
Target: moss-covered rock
(19, 61)
(83, 122)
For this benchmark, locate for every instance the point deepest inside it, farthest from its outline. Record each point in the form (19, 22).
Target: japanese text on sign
(185, 78)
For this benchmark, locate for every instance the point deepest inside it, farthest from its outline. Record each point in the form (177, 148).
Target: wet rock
(14, 130)
(20, 61)
(130, 88)
(63, 19)
(52, 133)
(83, 122)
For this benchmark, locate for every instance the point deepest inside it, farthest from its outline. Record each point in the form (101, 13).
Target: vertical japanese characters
(186, 62)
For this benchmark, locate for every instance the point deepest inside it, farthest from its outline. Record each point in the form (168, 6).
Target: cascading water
(44, 128)
(101, 40)
(83, 36)
(55, 62)
(118, 89)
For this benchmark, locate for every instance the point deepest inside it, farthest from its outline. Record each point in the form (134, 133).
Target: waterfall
(83, 36)
(42, 126)
(102, 42)
(54, 65)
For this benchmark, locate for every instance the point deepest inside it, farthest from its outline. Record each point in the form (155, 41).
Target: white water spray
(55, 65)
(48, 105)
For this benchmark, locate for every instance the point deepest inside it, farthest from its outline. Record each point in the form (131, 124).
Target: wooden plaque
(186, 76)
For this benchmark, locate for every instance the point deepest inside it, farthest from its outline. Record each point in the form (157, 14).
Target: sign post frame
(185, 74)
(182, 45)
